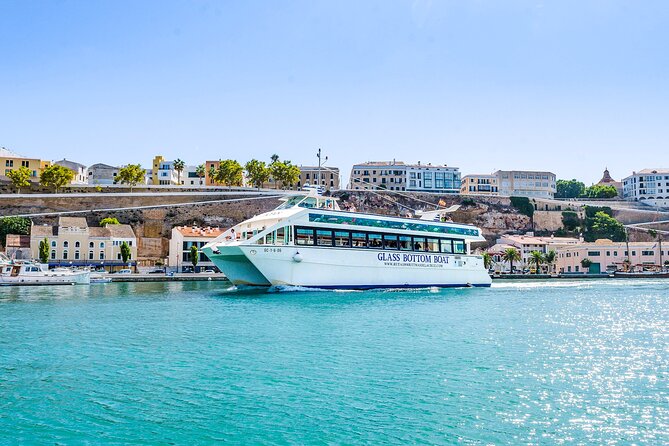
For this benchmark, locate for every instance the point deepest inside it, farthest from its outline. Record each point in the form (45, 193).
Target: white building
(101, 174)
(429, 178)
(183, 238)
(524, 183)
(649, 186)
(80, 171)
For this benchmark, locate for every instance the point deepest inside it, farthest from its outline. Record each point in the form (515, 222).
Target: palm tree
(487, 260)
(212, 175)
(537, 257)
(179, 166)
(200, 171)
(550, 258)
(511, 255)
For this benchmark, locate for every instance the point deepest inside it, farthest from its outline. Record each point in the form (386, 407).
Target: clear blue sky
(567, 86)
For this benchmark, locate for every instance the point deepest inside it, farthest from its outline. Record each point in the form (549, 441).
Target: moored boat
(14, 272)
(309, 242)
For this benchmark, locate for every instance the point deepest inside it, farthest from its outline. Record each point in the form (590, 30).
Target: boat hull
(350, 268)
(232, 262)
(49, 278)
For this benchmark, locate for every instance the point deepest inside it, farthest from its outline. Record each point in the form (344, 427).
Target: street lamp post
(318, 182)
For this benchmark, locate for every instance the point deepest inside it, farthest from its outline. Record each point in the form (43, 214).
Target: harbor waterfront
(559, 362)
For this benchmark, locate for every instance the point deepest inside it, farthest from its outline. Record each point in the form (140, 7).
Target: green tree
(550, 258)
(523, 205)
(291, 174)
(511, 255)
(274, 158)
(20, 178)
(212, 174)
(194, 257)
(569, 188)
(44, 250)
(132, 175)
(487, 260)
(109, 221)
(56, 176)
(601, 191)
(125, 252)
(179, 166)
(537, 257)
(586, 263)
(258, 172)
(570, 220)
(13, 225)
(284, 172)
(230, 173)
(200, 171)
(603, 226)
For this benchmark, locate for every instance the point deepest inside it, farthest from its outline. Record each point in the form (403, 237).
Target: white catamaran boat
(14, 272)
(308, 242)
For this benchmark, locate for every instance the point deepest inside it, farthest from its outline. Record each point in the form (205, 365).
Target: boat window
(323, 237)
(392, 224)
(405, 243)
(291, 202)
(432, 245)
(446, 246)
(359, 239)
(304, 236)
(269, 238)
(458, 246)
(419, 243)
(389, 241)
(375, 240)
(342, 238)
(280, 238)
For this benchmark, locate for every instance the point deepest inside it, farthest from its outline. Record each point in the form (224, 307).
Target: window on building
(76, 255)
(66, 244)
(102, 244)
(77, 244)
(53, 255)
(65, 255)
(594, 253)
(90, 255)
(102, 255)
(53, 243)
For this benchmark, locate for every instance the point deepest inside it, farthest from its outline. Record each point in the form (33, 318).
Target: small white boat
(13, 272)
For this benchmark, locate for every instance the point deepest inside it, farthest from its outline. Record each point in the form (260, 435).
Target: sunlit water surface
(583, 362)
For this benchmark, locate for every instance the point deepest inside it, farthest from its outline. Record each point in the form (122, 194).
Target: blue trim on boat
(371, 287)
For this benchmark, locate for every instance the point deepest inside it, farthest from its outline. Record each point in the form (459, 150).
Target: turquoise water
(189, 363)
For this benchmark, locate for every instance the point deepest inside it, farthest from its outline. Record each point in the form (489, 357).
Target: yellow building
(479, 184)
(12, 161)
(74, 243)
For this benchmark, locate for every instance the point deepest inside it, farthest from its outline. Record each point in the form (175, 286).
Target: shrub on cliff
(523, 205)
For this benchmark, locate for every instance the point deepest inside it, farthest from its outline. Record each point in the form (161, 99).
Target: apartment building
(163, 173)
(649, 186)
(181, 241)
(523, 183)
(80, 171)
(606, 255)
(429, 178)
(73, 243)
(479, 184)
(327, 177)
(12, 161)
(389, 175)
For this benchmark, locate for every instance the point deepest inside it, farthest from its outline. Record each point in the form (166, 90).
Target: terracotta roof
(72, 222)
(649, 171)
(41, 231)
(381, 163)
(606, 178)
(194, 231)
(120, 231)
(97, 231)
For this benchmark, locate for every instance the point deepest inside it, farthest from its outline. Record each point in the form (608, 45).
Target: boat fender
(297, 257)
